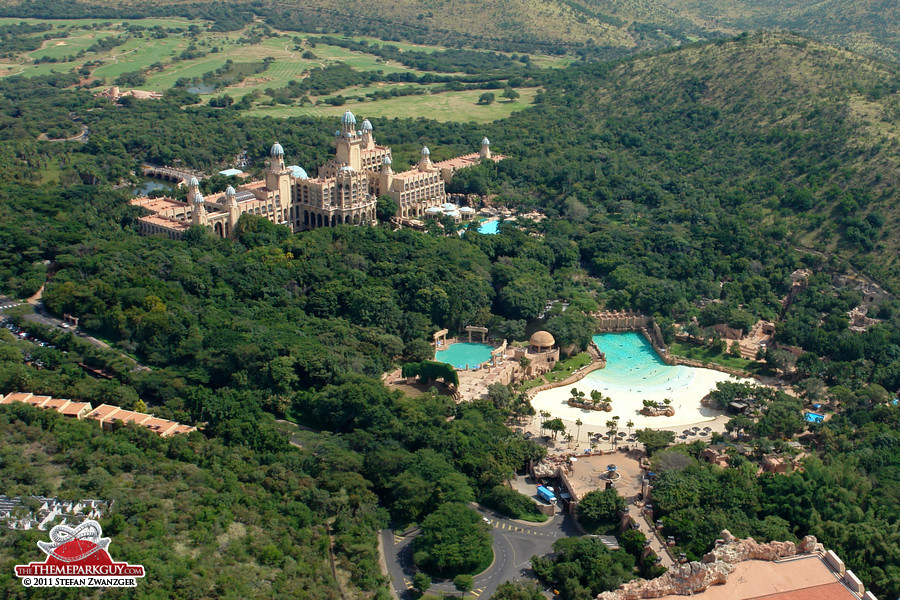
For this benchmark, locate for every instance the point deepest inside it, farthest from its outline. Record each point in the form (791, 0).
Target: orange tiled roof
(16, 397)
(103, 413)
(74, 409)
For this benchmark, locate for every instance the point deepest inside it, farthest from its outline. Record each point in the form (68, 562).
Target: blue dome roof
(485, 142)
(347, 169)
(198, 198)
(298, 172)
(277, 150)
(337, 133)
(229, 192)
(366, 126)
(348, 119)
(194, 182)
(426, 151)
(387, 161)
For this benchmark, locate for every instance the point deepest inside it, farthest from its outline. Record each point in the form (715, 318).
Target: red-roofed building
(105, 414)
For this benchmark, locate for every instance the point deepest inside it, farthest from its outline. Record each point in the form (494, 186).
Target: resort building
(541, 354)
(104, 414)
(39, 512)
(344, 192)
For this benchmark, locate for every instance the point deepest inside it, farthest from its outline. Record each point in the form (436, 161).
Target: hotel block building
(344, 191)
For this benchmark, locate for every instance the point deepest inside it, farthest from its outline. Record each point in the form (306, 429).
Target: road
(40, 315)
(515, 542)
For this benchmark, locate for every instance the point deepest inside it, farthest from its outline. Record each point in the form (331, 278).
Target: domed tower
(485, 148)
(278, 179)
(231, 205)
(385, 177)
(198, 211)
(276, 161)
(349, 143)
(386, 168)
(368, 139)
(193, 188)
(425, 161)
(348, 123)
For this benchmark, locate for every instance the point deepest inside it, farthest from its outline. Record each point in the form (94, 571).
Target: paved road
(40, 315)
(6, 302)
(514, 545)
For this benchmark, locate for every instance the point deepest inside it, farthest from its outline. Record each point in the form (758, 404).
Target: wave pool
(634, 373)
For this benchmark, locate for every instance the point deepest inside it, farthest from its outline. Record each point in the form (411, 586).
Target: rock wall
(694, 577)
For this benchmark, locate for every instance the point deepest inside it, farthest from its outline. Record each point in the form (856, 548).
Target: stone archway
(218, 229)
(319, 220)
(356, 219)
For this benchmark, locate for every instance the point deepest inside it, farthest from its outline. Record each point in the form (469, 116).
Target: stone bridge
(180, 176)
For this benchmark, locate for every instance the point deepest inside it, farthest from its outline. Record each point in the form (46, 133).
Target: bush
(599, 510)
(512, 504)
(454, 541)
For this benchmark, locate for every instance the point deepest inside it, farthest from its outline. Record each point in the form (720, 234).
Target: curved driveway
(515, 542)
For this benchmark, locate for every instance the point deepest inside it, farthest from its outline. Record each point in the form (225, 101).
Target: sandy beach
(684, 386)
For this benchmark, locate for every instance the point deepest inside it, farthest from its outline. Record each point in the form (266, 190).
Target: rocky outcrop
(694, 577)
(683, 580)
(733, 550)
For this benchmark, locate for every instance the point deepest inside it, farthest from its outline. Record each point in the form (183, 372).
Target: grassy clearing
(706, 355)
(449, 106)
(136, 55)
(58, 48)
(565, 368)
(357, 60)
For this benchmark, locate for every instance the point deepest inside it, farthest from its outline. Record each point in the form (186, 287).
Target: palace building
(344, 191)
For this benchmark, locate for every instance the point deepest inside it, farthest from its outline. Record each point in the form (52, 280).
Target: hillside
(796, 138)
(601, 28)
(869, 27)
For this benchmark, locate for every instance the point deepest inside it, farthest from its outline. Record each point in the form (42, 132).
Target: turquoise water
(632, 364)
(489, 227)
(813, 417)
(464, 353)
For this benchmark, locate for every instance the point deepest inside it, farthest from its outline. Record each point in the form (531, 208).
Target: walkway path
(656, 542)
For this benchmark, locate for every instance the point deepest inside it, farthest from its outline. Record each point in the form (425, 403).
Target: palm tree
(613, 427)
(629, 425)
(569, 439)
(544, 416)
(578, 424)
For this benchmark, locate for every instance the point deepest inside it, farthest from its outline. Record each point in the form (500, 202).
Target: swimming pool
(634, 373)
(813, 417)
(463, 354)
(489, 227)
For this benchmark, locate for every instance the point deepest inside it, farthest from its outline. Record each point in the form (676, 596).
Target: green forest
(671, 187)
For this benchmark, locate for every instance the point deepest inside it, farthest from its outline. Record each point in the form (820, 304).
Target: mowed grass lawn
(136, 55)
(58, 48)
(449, 106)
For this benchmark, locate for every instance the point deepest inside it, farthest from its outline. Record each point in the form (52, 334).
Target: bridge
(180, 176)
